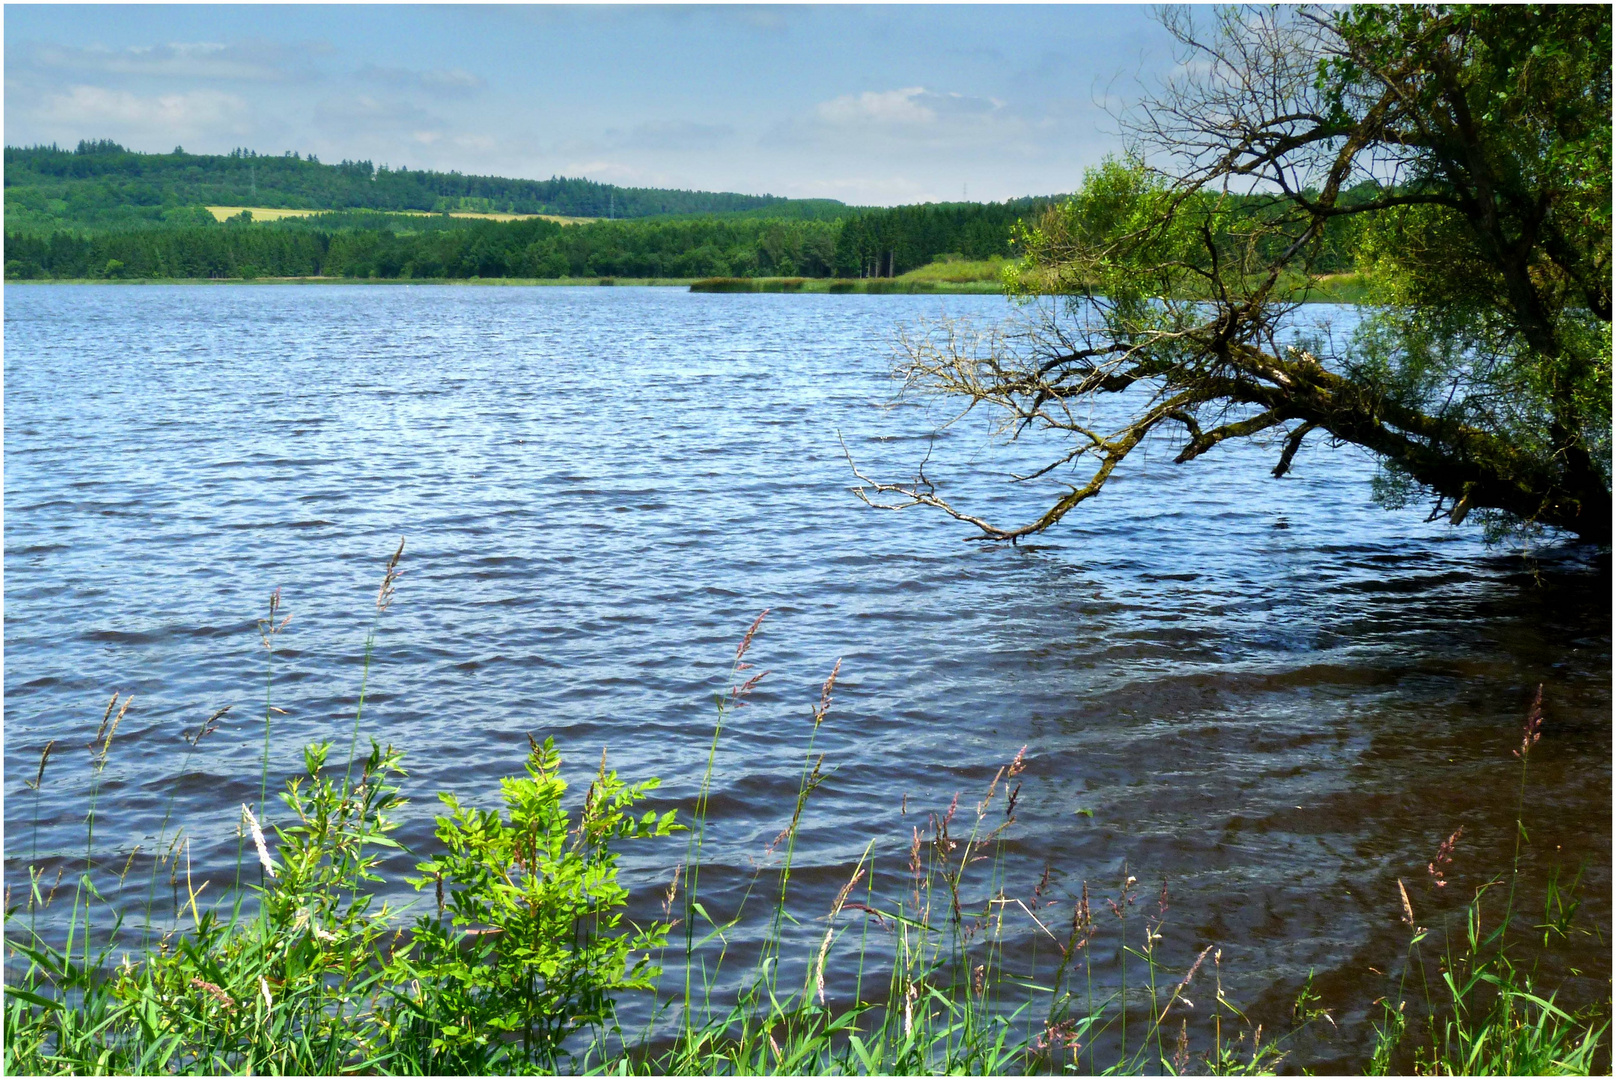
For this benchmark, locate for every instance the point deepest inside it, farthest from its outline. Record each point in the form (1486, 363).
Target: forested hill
(365, 244)
(103, 184)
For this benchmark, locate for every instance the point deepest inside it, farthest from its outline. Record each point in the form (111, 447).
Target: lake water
(1272, 693)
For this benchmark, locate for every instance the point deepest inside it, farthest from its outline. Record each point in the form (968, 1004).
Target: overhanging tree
(1460, 155)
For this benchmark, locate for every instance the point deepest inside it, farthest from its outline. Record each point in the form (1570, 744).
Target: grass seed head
(1190, 974)
(746, 640)
(209, 726)
(981, 807)
(738, 694)
(1444, 856)
(258, 840)
(1408, 908)
(44, 756)
(106, 716)
(1533, 728)
(384, 595)
(1043, 884)
(667, 897)
(824, 694)
(215, 992)
(106, 745)
(270, 627)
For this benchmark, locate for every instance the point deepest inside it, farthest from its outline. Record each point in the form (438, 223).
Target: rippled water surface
(1271, 693)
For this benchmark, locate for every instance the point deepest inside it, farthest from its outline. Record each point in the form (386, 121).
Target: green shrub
(303, 973)
(288, 990)
(541, 951)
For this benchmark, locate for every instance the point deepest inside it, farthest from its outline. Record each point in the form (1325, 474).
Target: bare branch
(1293, 443)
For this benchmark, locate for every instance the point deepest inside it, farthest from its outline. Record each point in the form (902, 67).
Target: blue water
(1273, 693)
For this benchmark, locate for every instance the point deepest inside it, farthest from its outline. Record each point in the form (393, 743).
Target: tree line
(102, 184)
(891, 242)
(877, 243)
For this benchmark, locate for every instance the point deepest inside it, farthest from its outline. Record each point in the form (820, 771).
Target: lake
(1273, 694)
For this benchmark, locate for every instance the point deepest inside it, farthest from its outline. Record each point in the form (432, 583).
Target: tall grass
(520, 956)
(1487, 1013)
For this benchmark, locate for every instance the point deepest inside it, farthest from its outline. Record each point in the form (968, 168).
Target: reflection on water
(1271, 693)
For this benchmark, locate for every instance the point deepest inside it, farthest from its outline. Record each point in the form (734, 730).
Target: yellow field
(272, 213)
(259, 213)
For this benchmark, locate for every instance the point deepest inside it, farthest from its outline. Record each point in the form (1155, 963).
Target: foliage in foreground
(535, 949)
(527, 961)
(1488, 1015)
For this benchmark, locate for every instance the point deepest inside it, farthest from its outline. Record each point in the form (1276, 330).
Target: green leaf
(34, 999)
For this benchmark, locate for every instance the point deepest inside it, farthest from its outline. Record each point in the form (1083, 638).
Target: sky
(873, 105)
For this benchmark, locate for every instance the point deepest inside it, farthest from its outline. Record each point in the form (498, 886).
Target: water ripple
(1271, 692)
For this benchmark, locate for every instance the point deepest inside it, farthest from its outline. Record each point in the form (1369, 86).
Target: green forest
(878, 243)
(100, 184)
(101, 211)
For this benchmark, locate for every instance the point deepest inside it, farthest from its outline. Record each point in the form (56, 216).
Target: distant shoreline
(865, 286)
(1331, 289)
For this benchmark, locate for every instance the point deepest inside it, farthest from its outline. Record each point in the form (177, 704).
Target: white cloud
(869, 190)
(676, 136)
(912, 106)
(367, 113)
(252, 61)
(905, 132)
(463, 141)
(450, 79)
(595, 169)
(120, 112)
(438, 80)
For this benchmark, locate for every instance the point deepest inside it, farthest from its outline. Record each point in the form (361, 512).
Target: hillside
(102, 211)
(366, 244)
(102, 185)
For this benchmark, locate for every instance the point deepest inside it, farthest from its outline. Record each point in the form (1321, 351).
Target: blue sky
(868, 104)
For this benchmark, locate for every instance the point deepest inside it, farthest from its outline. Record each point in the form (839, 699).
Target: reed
(384, 600)
(1488, 1013)
(191, 739)
(269, 631)
(33, 847)
(950, 995)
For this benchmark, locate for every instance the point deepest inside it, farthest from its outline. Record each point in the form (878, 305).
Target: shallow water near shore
(1273, 694)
